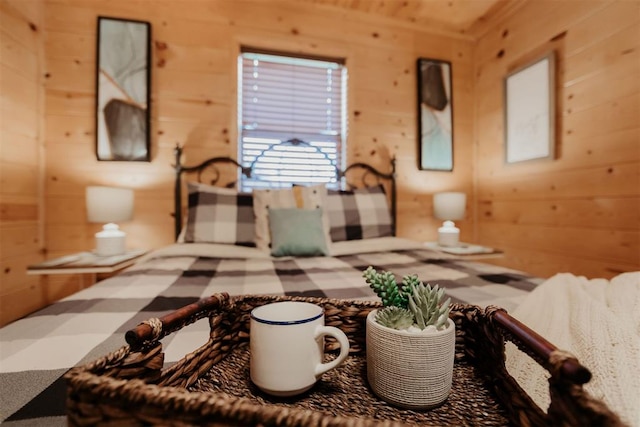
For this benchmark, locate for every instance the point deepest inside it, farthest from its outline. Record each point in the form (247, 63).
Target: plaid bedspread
(36, 351)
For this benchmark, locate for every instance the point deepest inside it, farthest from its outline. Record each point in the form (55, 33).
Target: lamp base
(448, 234)
(110, 241)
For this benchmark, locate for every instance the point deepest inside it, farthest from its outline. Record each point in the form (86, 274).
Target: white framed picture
(530, 111)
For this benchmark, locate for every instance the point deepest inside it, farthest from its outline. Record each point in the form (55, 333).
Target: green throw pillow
(297, 232)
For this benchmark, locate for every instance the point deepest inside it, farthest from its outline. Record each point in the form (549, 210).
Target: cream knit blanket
(599, 322)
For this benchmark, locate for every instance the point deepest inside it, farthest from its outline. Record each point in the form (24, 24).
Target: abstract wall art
(123, 90)
(435, 115)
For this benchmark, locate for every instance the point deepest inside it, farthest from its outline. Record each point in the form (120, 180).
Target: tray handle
(570, 368)
(156, 329)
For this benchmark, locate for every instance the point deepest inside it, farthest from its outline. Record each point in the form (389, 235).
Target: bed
(37, 350)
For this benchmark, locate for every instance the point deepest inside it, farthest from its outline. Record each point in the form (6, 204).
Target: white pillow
(262, 201)
(314, 197)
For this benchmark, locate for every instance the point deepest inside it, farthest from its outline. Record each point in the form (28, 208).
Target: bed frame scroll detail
(212, 163)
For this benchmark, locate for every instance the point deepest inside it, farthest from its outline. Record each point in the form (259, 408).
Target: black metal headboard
(211, 165)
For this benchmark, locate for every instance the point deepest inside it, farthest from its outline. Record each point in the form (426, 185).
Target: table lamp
(449, 206)
(108, 205)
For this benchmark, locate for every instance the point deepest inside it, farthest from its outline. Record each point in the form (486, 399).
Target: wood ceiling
(463, 17)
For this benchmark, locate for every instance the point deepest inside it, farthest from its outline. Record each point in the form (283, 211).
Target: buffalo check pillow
(219, 215)
(358, 214)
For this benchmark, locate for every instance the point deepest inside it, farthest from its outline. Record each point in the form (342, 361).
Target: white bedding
(599, 322)
(379, 244)
(349, 247)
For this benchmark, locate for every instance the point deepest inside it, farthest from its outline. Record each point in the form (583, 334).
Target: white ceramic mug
(287, 347)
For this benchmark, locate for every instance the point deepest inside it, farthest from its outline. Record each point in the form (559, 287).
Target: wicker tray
(211, 385)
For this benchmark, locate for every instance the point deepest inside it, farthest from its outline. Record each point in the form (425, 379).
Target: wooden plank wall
(195, 49)
(579, 213)
(21, 156)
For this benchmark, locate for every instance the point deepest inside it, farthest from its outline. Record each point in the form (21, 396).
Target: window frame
(339, 154)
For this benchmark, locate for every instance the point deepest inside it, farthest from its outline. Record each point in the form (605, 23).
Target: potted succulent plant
(410, 342)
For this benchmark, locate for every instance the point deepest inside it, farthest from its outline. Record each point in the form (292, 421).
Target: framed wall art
(530, 111)
(123, 90)
(435, 115)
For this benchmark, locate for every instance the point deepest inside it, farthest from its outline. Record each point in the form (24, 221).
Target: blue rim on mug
(286, 322)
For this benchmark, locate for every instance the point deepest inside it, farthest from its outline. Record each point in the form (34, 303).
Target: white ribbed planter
(407, 369)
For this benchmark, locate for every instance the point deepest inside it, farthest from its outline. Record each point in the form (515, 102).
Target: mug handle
(344, 347)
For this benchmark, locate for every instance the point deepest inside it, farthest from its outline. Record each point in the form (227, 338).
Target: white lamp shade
(449, 205)
(109, 204)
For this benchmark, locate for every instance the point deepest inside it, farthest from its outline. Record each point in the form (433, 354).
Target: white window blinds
(284, 98)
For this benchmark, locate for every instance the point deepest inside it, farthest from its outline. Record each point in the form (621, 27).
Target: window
(295, 100)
